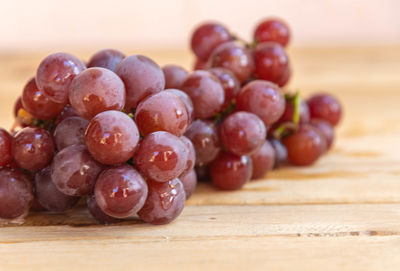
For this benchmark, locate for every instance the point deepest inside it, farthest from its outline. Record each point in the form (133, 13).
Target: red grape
(191, 155)
(120, 191)
(70, 131)
(229, 82)
(230, 172)
(203, 173)
(161, 156)
(280, 152)
(142, 77)
(272, 29)
(74, 171)
(174, 76)
(243, 133)
(263, 99)
(98, 214)
(186, 100)
(263, 160)
(200, 65)
(326, 130)
(96, 90)
(107, 58)
(206, 93)
(164, 202)
(33, 148)
(17, 106)
(5, 147)
(207, 37)
(326, 107)
(287, 115)
(66, 113)
(112, 137)
(163, 111)
(55, 73)
(287, 74)
(189, 181)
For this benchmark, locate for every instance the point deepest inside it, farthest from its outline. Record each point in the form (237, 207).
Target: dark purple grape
(142, 77)
(263, 99)
(229, 82)
(74, 171)
(96, 90)
(234, 57)
(112, 137)
(206, 93)
(207, 37)
(107, 58)
(98, 214)
(191, 155)
(120, 191)
(49, 196)
(16, 193)
(163, 111)
(326, 107)
(272, 29)
(33, 148)
(287, 115)
(161, 156)
(263, 160)
(69, 132)
(55, 74)
(164, 202)
(186, 100)
(230, 172)
(17, 106)
(189, 181)
(174, 76)
(280, 152)
(204, 137)
(243, 133)
(5, 147)
(326, 130)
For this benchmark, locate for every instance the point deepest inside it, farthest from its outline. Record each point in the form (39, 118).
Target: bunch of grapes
(109, 133)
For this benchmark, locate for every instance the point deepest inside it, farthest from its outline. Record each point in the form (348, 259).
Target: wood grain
(342, 213)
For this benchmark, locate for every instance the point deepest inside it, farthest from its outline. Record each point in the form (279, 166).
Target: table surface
(342, 213)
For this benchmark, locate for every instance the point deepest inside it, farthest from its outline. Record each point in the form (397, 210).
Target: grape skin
(263, 160)
(5, 147)
(280, 152)
(326, 107)
(70, 131)
(107, 58)
(326, 130)
(229, 82)
(174, 76)
(272, 29)
(186, 100)
(98, 214)
(191, 155)
(189, 181)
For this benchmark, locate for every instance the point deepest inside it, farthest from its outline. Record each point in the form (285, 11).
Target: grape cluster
(109, 133)
(251, 124)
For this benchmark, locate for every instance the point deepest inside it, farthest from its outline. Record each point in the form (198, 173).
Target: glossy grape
(5, 147)
(186, 100)
(243, 133)
(49, 196)
(286, 76)
(163, 111)
(33, 148)
(272, 29)
(161, 156)
(189, 181)
(280, 152)
(304, 113)
(55, 74)
(174, 76)
(164, 202)
(74, 171)
(98, 214)
(263, 99)
(230, 172)
(326, 130)
(326, 107)
(206, 93)
(112, 137)
(229, 82)
(107, 58)
(263, 160)
(207, 37)
(69, 132)
(120, 191)
(191, 155)
(142, 77)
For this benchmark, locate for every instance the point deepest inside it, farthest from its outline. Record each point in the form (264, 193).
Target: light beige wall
(166, 24)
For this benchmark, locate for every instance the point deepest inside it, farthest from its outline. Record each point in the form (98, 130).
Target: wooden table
(341, 214)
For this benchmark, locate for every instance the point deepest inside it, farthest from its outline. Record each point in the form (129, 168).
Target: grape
(206, 93)
(49, 196)
(112, 137)
(161, 156)
(305, 146)
(107, 58)
(230, 172)
(36, 207)
(207, 37)
(69, 132)
(326, 107)
(96, 90)
(229, 82)
(263, 160)
(74, 171)
(17, 106)
(163, 111)
(243, 133)
(280, 152)
(235, 58)
(98, 214)
(120, 191)
(326, 130)
(186, 100)
(174, 76)
(204, 137)
(16, 193)
(5, 147)
(164, 202)
(189, 181)
(33, 148)
(203, 173)
(272, 29)
(191, 155)
(263, 99)
(66, 113)
(36, 103)
(200, 65)
(287, 115)
(286, 75)
(271, 62)
(141, 76)
(55, 73)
